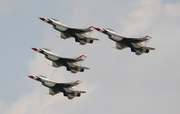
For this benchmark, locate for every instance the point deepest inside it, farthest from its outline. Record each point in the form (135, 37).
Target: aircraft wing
(135, 39)
(67, 85)
(145, 38)
(144, 47)
(70, 60)
(79, 30)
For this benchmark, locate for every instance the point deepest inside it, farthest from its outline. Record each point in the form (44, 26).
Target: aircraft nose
(98, 29)
(42, 18)
(35, 49)
(31, 77)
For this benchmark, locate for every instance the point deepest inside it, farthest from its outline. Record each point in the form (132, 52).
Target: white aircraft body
(137, 45)
(71, 64)
(55, 88)
(67, 32)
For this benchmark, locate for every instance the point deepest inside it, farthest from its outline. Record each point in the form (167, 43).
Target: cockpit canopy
(54, 19)
(42, 76)
(46, 49)
(110, 29)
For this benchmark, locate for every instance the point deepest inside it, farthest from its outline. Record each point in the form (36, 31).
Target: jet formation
(137, 45)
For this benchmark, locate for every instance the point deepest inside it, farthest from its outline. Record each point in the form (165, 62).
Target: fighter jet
(71, 64)
(137, 45)
(66, 32)
(55, 88)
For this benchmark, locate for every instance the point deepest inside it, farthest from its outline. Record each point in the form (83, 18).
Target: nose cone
(42, 18)
(98, 29)
(35, 49)
(32, 77)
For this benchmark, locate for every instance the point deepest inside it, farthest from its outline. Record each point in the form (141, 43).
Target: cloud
(3, 106)
(141, 17)
(172, 9)
(34, 102)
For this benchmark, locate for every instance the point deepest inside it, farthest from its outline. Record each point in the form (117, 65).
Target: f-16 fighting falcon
(66, 32)
(137, 45)
(71, 64)
(55, 88)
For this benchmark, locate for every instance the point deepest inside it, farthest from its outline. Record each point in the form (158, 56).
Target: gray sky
(118, 81)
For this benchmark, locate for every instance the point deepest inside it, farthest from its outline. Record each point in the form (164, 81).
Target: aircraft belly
(59, 61)
(64, 61)
(126, 43)
(58, 88)
(72, 34)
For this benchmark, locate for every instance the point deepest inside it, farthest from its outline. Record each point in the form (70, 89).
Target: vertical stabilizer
(146, 40)
(82, 57)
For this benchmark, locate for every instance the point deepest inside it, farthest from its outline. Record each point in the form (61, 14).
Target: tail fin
(82, 57)
(78, 81)
(96, 28)
(146, 40)
(90, 28)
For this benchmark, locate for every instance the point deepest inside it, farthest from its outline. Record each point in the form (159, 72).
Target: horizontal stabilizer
(83, 67)
(79, 91)
(89, 38)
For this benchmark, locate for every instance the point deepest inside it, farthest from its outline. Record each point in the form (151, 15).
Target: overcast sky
(118, 82)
